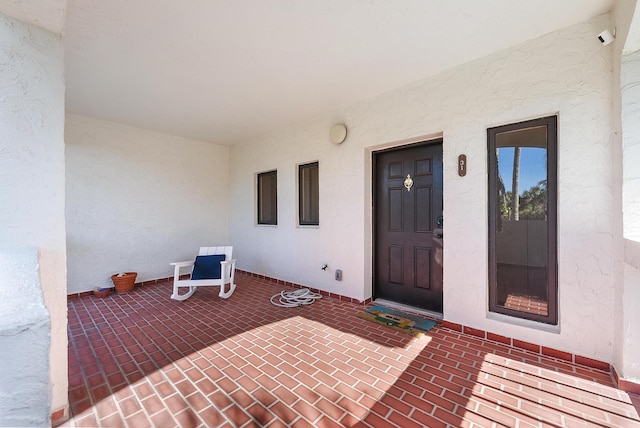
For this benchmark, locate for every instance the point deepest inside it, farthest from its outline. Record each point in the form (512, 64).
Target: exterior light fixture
(338, 133)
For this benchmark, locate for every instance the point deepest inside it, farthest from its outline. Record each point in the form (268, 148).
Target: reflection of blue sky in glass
(533, 167)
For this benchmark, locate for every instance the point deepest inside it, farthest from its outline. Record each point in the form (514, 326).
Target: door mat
(399, 321)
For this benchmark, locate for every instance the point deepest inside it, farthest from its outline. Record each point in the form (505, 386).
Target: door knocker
(408, 182)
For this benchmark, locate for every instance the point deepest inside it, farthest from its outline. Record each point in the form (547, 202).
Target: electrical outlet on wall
(338, 275)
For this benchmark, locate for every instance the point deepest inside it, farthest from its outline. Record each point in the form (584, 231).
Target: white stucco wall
(32, 170)
(138, 200)
(294, 253)
(630, 88)
(25, 338)
(628, 364)
(627, 109)
(567, 72)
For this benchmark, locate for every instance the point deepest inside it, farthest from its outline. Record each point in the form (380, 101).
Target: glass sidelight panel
(308, 195)
(522, 220)
(268, 197)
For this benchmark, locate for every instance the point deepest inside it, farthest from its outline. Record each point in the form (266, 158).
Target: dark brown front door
(408, 225)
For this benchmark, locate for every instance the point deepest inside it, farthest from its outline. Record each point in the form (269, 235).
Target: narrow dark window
(522, 220)
(268, 197)
(308, 195)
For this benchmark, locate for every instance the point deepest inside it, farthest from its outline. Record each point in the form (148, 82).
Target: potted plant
(124, 281)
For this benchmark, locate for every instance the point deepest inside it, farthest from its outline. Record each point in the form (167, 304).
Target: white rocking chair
(207, 270)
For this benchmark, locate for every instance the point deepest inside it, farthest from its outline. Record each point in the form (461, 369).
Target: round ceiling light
(338, 133)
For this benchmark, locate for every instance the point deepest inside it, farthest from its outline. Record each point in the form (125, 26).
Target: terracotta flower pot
(124, 283)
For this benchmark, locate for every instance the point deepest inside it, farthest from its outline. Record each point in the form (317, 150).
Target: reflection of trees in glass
(532, 204)
(501, 200)
(515, 184)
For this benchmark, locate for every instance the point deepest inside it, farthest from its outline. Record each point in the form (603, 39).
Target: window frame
(261, 180)
(306, 193)
(552, 231)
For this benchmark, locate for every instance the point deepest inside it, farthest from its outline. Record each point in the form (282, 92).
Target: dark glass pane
(308, 194)
(268, 198)
(521, 235)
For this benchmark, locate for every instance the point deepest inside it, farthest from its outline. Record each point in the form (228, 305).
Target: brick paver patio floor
(141, 359)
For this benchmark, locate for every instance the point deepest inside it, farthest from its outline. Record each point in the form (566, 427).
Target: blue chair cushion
(207, 267)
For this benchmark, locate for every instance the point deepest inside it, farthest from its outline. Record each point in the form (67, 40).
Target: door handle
(438, 232)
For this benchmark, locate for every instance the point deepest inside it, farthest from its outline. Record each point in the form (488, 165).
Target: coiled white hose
(291, 299)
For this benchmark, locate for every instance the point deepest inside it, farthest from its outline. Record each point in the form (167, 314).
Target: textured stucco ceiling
(47, 14)
(225, 70)
(632, 43)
